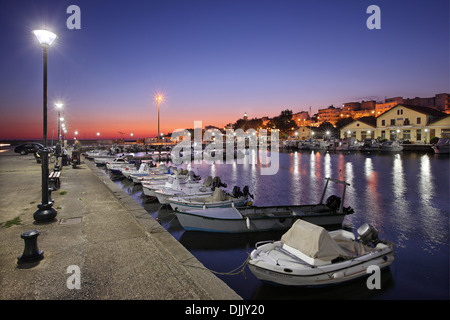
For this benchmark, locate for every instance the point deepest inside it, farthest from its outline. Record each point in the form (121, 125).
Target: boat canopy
(208, 181)
(219, 195)
(313, 241)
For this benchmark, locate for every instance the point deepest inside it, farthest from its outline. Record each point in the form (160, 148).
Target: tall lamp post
(159, 99)
(45, 211)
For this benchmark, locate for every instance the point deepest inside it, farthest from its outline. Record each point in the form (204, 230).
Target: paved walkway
(120, 250)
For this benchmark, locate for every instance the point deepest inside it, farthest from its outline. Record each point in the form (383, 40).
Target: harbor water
(404, 195)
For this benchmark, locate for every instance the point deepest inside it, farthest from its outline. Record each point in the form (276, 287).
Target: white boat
(392, 146)
(217, 200)
(265, 218)
(173, 181)
(348, 144)
(96, 153)
(442, 146)
(189, 189)
(117, 164)
(161, 156)
(101, 160)
(309, 255)
(158, 173)
(370, 145)
(318, 145)
(144, 167)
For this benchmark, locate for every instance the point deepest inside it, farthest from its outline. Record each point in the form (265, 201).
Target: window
(418, 134)
(399, 111)
(406, 134)
(393, 135)
(392, 122)
(419, 120)
(406, 122)
(383, 122)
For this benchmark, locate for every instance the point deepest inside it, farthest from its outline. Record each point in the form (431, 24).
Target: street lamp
(159, 98)
(45, 211)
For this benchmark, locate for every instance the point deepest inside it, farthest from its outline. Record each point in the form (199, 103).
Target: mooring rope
(235, 271)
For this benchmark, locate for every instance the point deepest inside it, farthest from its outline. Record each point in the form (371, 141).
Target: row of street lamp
(45, 211)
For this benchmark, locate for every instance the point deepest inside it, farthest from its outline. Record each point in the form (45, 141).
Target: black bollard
(31, 251)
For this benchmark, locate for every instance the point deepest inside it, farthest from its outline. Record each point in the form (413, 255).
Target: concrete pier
(121, 252)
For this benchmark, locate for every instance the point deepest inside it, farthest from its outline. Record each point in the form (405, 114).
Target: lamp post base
(45, 213)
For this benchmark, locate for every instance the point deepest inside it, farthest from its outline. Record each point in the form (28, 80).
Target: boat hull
(306, 276)
(184, 206)
(230, 220)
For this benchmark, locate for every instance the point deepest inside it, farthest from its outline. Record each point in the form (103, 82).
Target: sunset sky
(212, 60)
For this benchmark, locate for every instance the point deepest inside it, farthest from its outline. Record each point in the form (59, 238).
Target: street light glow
(45, 37)
(59, 105)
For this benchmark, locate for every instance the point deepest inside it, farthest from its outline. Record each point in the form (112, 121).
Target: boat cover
(208, 181)
(219, 195)
(313, 241)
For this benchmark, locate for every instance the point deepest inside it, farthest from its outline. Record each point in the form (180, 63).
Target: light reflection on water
(406, 196)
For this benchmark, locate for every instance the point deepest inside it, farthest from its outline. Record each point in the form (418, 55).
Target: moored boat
(442, 146)
(233, 219)
(391, 146)
(191, 188)
(309, 255)
(218, 199)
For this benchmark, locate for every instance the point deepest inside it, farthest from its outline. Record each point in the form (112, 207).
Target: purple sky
(213, 60)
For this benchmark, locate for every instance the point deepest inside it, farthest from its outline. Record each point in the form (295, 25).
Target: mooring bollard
(31, 251)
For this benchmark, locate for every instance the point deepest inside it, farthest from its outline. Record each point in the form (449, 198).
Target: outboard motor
(368, 234)
(237, 193)
(247, 192)
(217, 183)
(333, 202)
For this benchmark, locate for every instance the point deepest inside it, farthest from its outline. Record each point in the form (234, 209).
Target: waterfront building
(330, 114)
(302, 119)
(362, 128)
(440, 128)
(406, 122)
(302, 133)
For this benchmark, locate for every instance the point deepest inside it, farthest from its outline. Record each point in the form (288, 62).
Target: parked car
(26, 148)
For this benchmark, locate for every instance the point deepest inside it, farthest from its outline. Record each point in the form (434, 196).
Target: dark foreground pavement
(120, 250)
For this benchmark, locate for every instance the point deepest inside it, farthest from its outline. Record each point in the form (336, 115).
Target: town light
(45, 211)
(45, 37)
(158, 99)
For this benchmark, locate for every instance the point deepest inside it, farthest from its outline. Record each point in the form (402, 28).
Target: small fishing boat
(392, 146)
(442, 146)
(117, 164)
(218, 199)
(192, 188)
(158, 173)
(370, 145)
(232, 219)
(174, 181)
(349, 144)
(144, 167)
(309, 255)
(96, 153)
